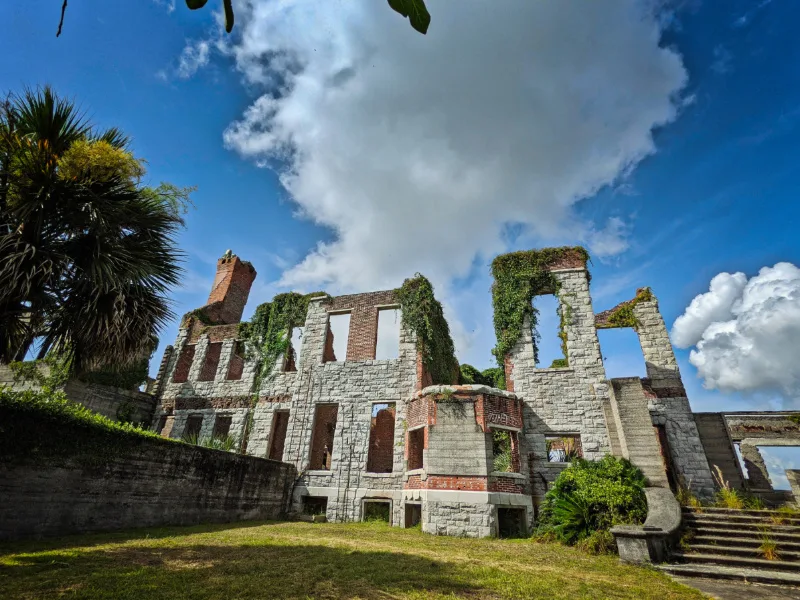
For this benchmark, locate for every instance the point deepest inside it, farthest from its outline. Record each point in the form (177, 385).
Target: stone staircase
(726, 544)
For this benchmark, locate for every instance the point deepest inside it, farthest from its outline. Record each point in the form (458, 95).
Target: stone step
(755, 528)
(743, 542)
(748, 551)
(712, 510)
(775, 519)
(735, 561)
(746, 534)
(733, 573)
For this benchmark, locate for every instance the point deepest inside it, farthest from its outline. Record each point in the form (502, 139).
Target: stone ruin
(371, 437)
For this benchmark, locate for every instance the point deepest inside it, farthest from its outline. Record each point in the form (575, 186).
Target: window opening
(322, 436)
(563, 448)
(380, 455)
(236, 366)
(293, 351)
(222, 427)
(548, 326)
(505, 451)
(336, 337)
(387, 346)
(185, 359)
(511, 522)
(211, 362)
(413, 514)
(191, 433)
(280, 423)
(377, 510)
(622, 353)
(315, 505)
(416, 444)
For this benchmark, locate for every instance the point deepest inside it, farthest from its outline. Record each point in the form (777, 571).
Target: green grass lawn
(303, 560)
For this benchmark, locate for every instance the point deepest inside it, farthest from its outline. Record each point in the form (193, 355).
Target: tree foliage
(87, 253)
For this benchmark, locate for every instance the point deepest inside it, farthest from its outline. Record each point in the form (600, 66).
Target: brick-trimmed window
(322, 437)
(505, 451)
(336, 337)
(277, 438)
(564, 447)
(184, 365)
(416, 445)
(387, 344)
(211, 362)
(380, 455)
(236, 366)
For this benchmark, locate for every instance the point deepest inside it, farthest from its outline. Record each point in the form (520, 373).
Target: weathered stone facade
(438, 444)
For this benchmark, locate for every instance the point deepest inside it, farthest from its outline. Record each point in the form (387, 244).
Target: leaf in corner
(195, 4)
(228, 15)
(415, 10)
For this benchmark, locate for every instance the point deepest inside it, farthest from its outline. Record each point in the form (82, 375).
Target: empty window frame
(211, 362)
(184, 364)
(622, 353)
(563, 448)
(336, 337)
(292, 360)
(222, 427)
(511, 522)
(191, 433)
(548, 329)
(322, 437)
(277, 439)
(387, 345)
(380, 455)
(315, 505)
(505, 451)
(377, 510)
(413, 514)
(416, 447)
(236, 366)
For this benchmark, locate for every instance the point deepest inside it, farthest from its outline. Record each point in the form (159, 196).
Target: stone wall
(718, 447)
(112, 402)
(144, 482)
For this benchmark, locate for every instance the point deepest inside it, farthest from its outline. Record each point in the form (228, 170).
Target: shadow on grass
(114, 537)
(227, 572)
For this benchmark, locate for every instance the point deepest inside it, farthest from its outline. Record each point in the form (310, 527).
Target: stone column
(757, 475)
(793, 475)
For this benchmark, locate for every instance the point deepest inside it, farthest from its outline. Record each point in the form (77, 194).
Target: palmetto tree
(87, 254)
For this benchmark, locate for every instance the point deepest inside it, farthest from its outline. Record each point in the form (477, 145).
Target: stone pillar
(654, 339)
(757, 475)
(793, 475)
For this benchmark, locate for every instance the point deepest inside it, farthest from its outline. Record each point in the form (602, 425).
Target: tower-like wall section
(563, 400)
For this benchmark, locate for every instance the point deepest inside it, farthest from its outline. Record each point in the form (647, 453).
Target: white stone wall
(562, 400)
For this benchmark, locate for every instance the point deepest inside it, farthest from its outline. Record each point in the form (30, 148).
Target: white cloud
(193, 57)
(417, 150)
(749, 332)
(713, 306)
(169, 5)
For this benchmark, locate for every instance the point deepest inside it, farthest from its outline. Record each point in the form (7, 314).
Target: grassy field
(301, 560)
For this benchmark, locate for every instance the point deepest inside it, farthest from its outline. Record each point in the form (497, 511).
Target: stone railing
(651, 542)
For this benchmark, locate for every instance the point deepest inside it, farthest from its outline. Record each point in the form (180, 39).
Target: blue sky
(681, 164)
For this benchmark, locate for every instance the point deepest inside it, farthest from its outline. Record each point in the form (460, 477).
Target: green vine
(267, 338)
(623, 315)
(565, 320)
(493, 377)
(423, 314)
(518, 277)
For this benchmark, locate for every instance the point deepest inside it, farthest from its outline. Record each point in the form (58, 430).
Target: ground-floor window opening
(511, 523)
(563, 448)
(322, 436)
(277, 439)
(315, 505)
(191, 433)
(222, 427)
(416, 444)
(505, 451)
(413, 514)
(377, 510)
(381, 439)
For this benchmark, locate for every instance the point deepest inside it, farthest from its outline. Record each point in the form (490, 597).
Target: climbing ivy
(423, 315)
(623, 315)
(493, 377)
(518, 277)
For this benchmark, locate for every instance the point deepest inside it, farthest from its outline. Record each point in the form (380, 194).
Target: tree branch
(61, 22)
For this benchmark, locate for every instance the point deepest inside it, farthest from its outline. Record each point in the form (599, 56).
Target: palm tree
(87, 254)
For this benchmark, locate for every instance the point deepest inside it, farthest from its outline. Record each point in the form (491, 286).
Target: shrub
(727, 497)
(589, 497)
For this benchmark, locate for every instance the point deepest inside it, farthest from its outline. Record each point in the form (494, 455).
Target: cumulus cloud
(193, 57)
(746, 333)
(417, 151)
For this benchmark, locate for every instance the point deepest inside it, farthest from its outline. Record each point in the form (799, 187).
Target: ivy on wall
(423, 314)
(623, 315)
(518, 277)
(493, 377)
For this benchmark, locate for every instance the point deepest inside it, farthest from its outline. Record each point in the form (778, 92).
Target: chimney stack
(231, 288)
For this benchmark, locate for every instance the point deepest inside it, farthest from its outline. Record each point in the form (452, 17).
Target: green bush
(589, 497)
(43, 424)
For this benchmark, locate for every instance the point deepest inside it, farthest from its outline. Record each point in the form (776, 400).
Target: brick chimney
(231, 288)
